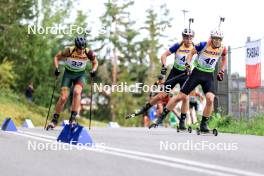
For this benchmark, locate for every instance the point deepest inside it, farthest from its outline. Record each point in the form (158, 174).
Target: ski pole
(190, 22)
(222, 19)
(90, 117)
(176, 77)
(54, 87)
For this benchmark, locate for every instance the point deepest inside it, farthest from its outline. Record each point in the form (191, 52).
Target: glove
(163, 70)
(57, 72)
(187, 69)
(220, 75)
(92, 73)
(161, 77)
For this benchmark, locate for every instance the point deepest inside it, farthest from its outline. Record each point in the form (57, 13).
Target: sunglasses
(188, 37)
(217, 38)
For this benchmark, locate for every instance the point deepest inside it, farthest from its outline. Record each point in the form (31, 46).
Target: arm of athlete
(190, 56)
(223, 60)
(164, 57)
(94, 64)
(163, 61)
(60, 55)
(91, 55)
(188, 61)
(220, 75)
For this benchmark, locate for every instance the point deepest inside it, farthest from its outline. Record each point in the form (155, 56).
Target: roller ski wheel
(198, 131)
(213, 132)
(189, 129)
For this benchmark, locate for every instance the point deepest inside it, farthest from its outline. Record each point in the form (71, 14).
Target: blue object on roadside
(76, 134)
(8, 125)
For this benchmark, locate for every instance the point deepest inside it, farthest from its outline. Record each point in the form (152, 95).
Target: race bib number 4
(180, 60)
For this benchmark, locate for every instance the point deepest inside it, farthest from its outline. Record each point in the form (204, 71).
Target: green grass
(227, 124)
(18, 108)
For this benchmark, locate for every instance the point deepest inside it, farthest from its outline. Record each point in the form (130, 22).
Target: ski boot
(138, 112)
(53, 123)
(158, 121)
(204, 128)
(73, 121)
(182, 126)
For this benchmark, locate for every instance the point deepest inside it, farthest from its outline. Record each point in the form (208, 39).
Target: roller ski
(130, 116)
(139, 112)
(181, 127)
(213, 131)
(146, 107)
(204, 128)
(189, 129)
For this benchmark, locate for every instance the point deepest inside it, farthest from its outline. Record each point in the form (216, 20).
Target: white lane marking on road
(184, 161)
(164, 163)
(30, 136)
(161, 157)
(37, 134)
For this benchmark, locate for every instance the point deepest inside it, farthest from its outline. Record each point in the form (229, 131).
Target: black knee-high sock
(55, 118)
(164, 113)
(147, 106)
(143, 109)
(204, 119)
(183, 116)
(73, 115)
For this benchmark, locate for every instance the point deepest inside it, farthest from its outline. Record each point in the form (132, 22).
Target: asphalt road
(130, 151)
